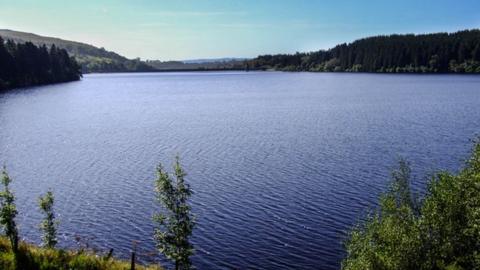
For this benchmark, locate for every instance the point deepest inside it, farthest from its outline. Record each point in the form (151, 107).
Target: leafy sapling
(8, 211)
(49, 224)
(175, 223)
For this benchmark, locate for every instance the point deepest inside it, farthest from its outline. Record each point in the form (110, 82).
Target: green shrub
(442, 232)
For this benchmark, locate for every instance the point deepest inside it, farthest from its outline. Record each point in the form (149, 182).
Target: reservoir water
(281, 164)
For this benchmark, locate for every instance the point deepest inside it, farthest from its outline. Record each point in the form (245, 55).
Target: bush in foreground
(440, 232)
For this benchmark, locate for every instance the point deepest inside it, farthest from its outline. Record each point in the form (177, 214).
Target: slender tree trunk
(132, 263)
(16, 255)
(177, 265)
(14, 243)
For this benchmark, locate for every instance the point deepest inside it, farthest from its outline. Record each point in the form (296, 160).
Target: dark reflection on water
(282, 164)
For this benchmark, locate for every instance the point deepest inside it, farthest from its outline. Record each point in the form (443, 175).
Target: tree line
(24, 64)
(457, 52)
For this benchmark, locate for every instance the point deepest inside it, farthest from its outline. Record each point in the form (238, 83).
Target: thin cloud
(155, 24)
(285, 25)
(246, 25)
(173, 13)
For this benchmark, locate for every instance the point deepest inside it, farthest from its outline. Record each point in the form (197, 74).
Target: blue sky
(190, 29)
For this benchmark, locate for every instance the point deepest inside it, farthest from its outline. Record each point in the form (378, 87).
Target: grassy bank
(33, 257)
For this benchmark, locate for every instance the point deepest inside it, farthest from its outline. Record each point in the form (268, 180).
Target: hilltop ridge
(91, 58)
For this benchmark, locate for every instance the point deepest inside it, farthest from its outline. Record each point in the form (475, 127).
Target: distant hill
(212, 64)
(214, 60)
(91, 58)
(94, 59)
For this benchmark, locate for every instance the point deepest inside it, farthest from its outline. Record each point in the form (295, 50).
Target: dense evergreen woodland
(430, 53)
(24, 64)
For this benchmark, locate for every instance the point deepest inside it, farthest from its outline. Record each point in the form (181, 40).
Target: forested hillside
(24, 64)
(91, 58)
(429, 53)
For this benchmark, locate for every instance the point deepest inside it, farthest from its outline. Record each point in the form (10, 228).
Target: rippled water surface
(282, 164)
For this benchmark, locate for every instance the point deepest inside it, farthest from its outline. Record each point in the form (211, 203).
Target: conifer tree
(24, 64)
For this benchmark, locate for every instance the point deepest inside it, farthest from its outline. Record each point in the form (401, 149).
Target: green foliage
(24, 64)
(48, 225)
(176, 222)
(8, 211)
(35, 258)
(442, 232)
(431, 53)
